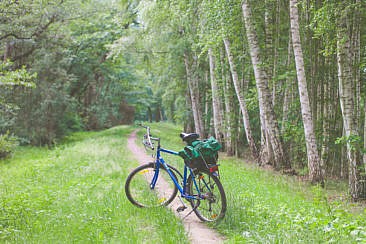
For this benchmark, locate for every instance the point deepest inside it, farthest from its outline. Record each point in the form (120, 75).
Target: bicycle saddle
(189, 137)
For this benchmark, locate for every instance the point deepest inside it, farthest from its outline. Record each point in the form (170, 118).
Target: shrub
(8, 143)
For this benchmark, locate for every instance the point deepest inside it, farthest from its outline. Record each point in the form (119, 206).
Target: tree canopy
(284, 79)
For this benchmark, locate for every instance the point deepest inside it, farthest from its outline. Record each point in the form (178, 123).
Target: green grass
(266, 207)
(271, 208)
(74, 193)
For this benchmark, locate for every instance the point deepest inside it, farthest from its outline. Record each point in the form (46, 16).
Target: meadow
(74, 193)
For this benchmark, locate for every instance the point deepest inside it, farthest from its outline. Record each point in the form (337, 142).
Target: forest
(281, 82)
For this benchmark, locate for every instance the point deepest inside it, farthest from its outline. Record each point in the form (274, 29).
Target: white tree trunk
(194, 93)
(364, 137)
(315, 172)
(347, 102)
(242, 104)
(228, 107)
(289, 88)
(216, 101)
(264, 95)
(327, 108)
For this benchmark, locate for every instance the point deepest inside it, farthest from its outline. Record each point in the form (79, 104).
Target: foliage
(353, 141)
(10, 79)
(8, 143)
(77, 87)
(293, 134)
(324, 26)
(18, 77)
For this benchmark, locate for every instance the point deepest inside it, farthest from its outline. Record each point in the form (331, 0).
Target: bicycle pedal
(181, 209)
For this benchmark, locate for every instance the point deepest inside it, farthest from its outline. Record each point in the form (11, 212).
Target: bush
(8, 144)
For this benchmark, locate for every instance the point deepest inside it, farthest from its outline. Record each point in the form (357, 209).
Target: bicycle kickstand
(193, 209)
(183, 207)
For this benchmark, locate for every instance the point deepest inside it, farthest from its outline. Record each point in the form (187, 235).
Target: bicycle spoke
(139, 191)
(212, 205)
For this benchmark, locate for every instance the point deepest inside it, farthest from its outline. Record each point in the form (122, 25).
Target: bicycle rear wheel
(211, 206)
(139, 192)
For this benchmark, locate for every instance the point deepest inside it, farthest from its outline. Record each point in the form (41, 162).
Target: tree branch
(45, 27)
(15, 36)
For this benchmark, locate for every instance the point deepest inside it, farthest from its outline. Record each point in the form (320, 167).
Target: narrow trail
(197, 231)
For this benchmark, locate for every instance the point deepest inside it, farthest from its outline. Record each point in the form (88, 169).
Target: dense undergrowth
(74, 193)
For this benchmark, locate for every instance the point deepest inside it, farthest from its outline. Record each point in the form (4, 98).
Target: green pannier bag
(201, 154)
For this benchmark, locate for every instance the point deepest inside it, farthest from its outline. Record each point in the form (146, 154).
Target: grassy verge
(271, 208)
(74, 193)
(265, 207)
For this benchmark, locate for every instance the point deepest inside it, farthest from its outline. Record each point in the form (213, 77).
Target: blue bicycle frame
(160, 161)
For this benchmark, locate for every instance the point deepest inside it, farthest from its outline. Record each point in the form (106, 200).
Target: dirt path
(198, 232)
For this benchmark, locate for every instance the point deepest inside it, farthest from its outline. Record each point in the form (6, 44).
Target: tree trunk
(288, 93)
(149, 114)
(364, 136)
(268, 29)
(8, 50)
(315, 172)
(276, 89)
(189, 122)
(208, 119)
(264, 95)
(347, 101)
(216, 101)
(229, 110)
(324, 155)
(194, 93)
(242, 104)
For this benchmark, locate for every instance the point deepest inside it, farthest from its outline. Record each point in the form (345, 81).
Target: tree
(268, 119)
(348, 102)
(242, 103)
(216, 99)
(229, 106)
(77, 87)
(315, 172)
(11, 79)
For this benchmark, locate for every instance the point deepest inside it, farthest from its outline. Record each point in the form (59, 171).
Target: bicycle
(148, 185)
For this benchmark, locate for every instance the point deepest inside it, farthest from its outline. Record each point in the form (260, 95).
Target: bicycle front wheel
(210, 204)
(139, 191)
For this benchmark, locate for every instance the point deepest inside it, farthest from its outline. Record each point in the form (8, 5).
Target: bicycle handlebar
(148, 138)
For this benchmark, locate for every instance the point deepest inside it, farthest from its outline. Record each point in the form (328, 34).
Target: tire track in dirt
(197, 231)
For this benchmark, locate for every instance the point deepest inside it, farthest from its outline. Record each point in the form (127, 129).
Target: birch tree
(216, 100)
(348, 102)
(264, 95)
(315, 172)
(194, 92)
(229, 113)
(242, 104)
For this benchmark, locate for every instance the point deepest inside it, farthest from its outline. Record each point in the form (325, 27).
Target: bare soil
(197, 231)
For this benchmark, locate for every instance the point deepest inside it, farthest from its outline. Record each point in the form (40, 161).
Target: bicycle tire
(139, 192)
(213, 206)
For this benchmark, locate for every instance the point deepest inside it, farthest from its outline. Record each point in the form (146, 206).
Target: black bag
(201, 154)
